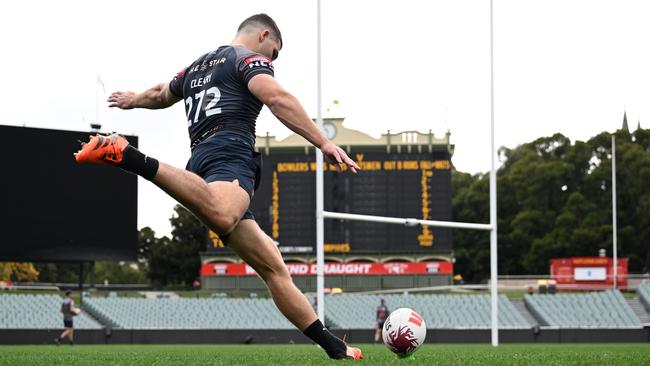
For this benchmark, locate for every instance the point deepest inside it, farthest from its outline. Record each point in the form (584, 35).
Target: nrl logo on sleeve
(258, 61)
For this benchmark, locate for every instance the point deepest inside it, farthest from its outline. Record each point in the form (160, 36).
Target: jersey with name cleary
(215, 90)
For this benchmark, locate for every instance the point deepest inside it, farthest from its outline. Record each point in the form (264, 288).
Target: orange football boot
(102, 150)
(352, 353)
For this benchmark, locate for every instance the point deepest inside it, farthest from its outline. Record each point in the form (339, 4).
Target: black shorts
(67, 323)
(226, 156)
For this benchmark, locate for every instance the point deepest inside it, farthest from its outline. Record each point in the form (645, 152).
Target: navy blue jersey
(215, 90)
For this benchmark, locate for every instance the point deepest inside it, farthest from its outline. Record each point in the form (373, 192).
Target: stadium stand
(38, 312)
(606, 309)
(344, 311)
(164, 313)
(440, 311)
(644, 294)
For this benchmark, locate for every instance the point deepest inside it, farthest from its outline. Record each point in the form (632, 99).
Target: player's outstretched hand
(335, 155)
(122, 100)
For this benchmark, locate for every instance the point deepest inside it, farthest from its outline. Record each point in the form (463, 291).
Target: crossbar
(405, 221)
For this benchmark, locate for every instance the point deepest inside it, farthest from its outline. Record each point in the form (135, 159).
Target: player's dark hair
(68, 292)
(264, 20)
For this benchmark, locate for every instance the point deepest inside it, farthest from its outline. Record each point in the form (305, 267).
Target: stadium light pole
(320, 220)
(493, 197)
(614, 223)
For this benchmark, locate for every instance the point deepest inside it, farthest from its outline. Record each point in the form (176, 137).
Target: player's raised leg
(258, 250)
(219, 205)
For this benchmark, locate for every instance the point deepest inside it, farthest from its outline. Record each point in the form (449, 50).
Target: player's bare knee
(220, 221)
(223, 224)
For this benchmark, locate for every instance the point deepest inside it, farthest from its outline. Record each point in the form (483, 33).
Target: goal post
(321, 214)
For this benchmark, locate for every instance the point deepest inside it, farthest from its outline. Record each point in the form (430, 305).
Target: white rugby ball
(404, 331)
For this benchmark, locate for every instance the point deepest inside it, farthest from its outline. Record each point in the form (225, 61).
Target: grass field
(272, 355)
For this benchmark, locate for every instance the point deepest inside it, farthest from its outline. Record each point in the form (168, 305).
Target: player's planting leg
(258, 250)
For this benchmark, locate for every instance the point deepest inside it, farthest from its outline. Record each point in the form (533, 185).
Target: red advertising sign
(335, 269)
(588, 272)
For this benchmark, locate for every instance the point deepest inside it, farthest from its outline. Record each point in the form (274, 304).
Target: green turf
(272, 355)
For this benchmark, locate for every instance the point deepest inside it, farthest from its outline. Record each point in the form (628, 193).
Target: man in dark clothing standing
(69, 311)
(382, 315)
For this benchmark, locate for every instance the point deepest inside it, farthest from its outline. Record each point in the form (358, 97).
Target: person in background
(382, 315)
(69, 310)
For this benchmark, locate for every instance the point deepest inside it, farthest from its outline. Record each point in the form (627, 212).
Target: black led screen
(53, 209)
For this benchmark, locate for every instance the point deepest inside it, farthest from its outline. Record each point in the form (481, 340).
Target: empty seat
(606, 309)
(439, 311)
(213, 313)
(644, 294)
(38, 312)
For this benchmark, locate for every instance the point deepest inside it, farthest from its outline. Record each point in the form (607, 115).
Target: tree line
(554, 200)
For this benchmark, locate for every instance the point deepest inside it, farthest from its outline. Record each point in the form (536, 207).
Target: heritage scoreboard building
(404, 174)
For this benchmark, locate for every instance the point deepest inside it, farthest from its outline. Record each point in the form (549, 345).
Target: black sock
(138, 163)
(333, 345)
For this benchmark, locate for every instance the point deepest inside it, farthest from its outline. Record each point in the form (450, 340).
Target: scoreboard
(397, 184)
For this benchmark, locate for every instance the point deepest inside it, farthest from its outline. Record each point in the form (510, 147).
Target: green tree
(174, 261)
(554, 200)
(146, 239)
(160, 265)
(189, 237)
(61, 272)
(579, 230)
(120, 272)
(470, 203)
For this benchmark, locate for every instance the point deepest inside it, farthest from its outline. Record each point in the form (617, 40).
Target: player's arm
(156, 97)
(291, 113)
(73, 308)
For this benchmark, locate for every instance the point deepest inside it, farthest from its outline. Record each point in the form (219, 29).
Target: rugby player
(382, 314)
(68, 310)
(223, 92)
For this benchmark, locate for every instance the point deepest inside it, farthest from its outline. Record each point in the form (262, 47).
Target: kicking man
(224, 91)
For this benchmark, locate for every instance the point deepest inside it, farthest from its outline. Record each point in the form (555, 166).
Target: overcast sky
(568, 66)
